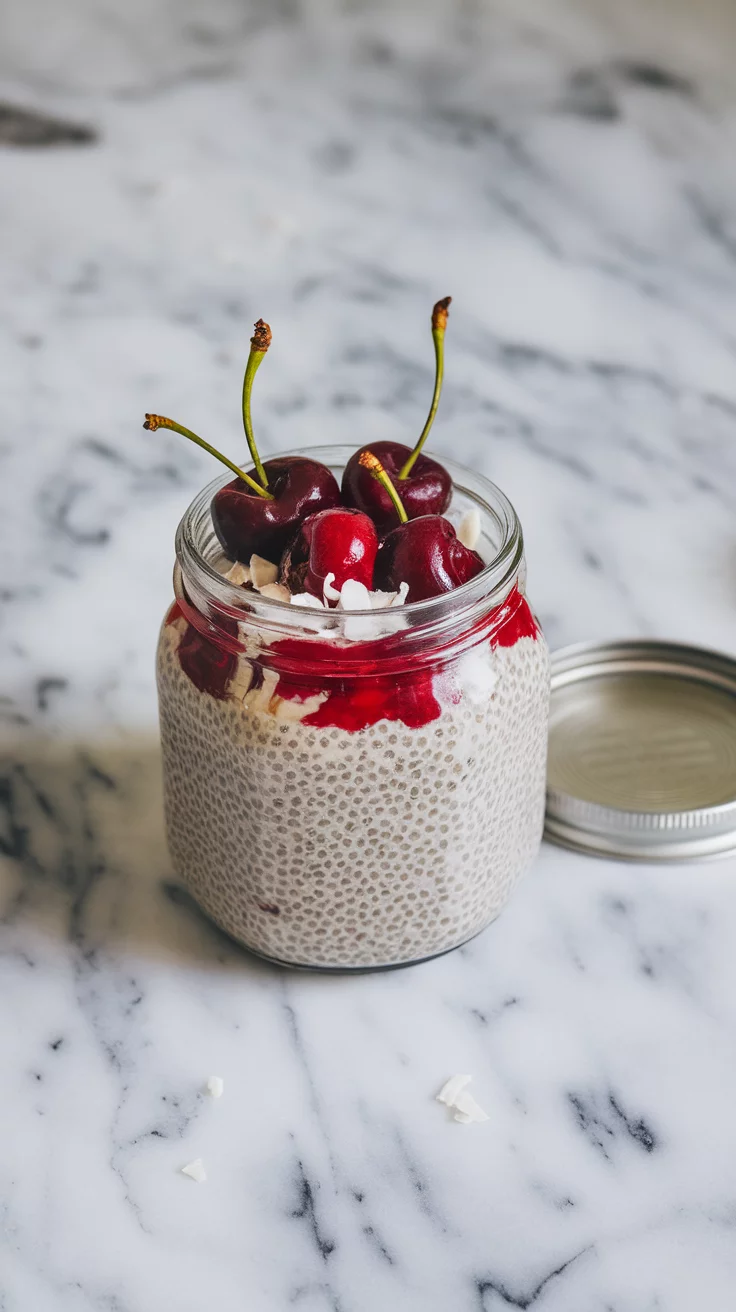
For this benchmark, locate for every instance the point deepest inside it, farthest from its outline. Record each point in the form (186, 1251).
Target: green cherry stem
(376, 469)
(160, 421)
(259, 344)
(439, 324)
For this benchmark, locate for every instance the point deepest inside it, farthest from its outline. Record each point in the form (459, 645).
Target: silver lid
(642, 751)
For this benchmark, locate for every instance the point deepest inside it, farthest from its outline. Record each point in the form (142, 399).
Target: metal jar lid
(642, 751)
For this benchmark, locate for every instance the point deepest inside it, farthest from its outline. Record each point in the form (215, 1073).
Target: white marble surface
(566, 172)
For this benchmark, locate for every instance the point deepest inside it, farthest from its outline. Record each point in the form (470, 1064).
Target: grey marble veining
(169, 174)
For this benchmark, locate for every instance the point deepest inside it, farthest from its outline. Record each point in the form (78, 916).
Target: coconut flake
(329, 592)
(468, 530)
(460, 1102)
(309, 602)
(354, 596)
(290, 710)
(275, 592)
(238, 574)
(449, 1091)
(382, 600)
(477, 674)
(215, 1086)
(239, 685)
(195, 1170)
(466, 1110)
(262, 572)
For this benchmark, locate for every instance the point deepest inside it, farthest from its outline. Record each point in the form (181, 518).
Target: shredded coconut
(468, 530)
(195, 1170)
(239, 685)
(460, 1102)
(382, 600)
(275, 592)
(449, 1091)
(215, 1086)
(262, 572)
(466, 1109)
(291, 710)
(238, 574)
(477, 672)
(329, 592)
(354, 596)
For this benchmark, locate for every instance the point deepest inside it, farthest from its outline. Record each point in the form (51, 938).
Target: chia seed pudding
(354, 797)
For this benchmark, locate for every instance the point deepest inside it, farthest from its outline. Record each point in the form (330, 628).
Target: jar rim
(462, 605)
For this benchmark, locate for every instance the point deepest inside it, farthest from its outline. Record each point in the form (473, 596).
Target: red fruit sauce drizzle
(357, 699)
(209, 666)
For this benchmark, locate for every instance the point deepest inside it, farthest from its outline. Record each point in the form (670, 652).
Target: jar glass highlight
(354, 790)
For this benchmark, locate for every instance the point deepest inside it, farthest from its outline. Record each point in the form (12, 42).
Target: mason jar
(360, 789)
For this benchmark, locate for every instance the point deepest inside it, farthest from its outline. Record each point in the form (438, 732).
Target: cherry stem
(160, 421)
(259, 344)
(439, 324)
(377, 471)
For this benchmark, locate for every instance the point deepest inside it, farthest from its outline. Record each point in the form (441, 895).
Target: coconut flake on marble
(456, 1097)
(195, 1170)
(466, 1110)
(468, 530)
(449, 1091)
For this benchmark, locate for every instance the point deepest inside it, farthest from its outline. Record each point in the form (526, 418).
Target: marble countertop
(169, 174)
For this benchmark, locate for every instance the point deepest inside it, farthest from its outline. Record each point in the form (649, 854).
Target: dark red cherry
(426, 490)
(338, 541)
(246, 523)
(427, 554)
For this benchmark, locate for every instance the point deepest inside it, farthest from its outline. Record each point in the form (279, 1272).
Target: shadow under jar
(354, 790)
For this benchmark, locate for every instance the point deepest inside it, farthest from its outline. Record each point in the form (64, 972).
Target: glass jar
(354, 790)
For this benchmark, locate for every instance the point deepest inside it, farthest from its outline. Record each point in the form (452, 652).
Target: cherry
(424, 484)
(259, 511)
(245, 523)
(338, 542)
(427, 492)
(425, 553)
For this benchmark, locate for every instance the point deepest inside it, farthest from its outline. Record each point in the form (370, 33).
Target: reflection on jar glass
(354, 789)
